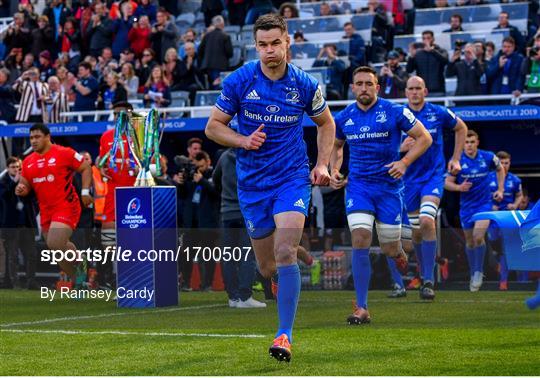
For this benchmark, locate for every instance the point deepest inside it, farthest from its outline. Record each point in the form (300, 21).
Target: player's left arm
(460, 132)
(422, 139)
(499, 193)
(326, 131)
(86, 174)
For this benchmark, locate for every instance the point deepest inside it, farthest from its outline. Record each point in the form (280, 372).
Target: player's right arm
(337, 180)
(23, 188)
(218, 130)
(451, 185)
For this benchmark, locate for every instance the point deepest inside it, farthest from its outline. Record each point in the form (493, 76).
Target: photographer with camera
(466, 67)
(327, 57)
(504, 70)
(200, 211)
(429, 60)
(393, 77)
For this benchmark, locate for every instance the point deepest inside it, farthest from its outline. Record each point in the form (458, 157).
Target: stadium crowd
(90, 55)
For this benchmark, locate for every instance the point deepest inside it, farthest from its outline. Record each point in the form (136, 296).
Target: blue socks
(479, 253)
(419, 258)
(470, 257)
(503, 273)
(394, 272)
(287, 298)
(361, 270)
(429, 252)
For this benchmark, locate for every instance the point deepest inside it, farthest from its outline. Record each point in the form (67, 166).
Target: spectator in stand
(45, 68)
(70, 42)
(164, 34)
(455, 24)
(17, 221)
(86, 89)
(129, 80)
(84, 13)
(148, 9)
(190, 79)
(17, 36)
(531, 67)
(381, 33)
(490, 51)
(56, 102)
(126, 56)
(100, 31)
(156, 90)
(288, 11)
(188, 36)
(258, 8)
(327, 57)
(139, 36)
(298, 37)
(469, 71)
(7, 98)
(504, 23)
(120, 28)
(111, 93)
(65, 82)
(237, 10)
(215, 51)
(504, 70)
(429, 63)
(173, 68)
(357, 47)
(28, 62)
(392, 77)
(115, 12)
(57, 12)
(104, 59)
(145, 67)
(33, 94)
(42, 37)
(325, 10)
(210, 9)
(14, 64)
(480, 51)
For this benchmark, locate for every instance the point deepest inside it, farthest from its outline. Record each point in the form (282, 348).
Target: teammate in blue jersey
(473, 183)
(424, 180)
(269, 98)
(510, 201)
(372, 127)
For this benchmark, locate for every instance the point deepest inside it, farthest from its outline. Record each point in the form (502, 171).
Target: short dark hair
(503, 155)
(202, 155)
(40, 127)
(430, 32)
(472, 133)
(12, 159)
(509, 40)
(366, 69)
(506, 13)
(458, 16)
(268, 22)
(194, 140)
(348, 23)
(86, 65)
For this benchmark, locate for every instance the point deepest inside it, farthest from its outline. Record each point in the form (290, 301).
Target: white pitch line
(128, 333)
(68, 318)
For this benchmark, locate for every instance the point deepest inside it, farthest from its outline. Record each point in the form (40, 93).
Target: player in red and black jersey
(48, 171)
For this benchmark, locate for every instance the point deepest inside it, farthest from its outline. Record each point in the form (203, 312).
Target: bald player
(424, 180)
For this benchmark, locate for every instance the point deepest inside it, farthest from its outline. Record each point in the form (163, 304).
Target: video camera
(185, 166)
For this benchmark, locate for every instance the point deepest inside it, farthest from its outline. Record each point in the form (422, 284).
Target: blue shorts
(259, 208)
(466, 222)
(415, 191)
(385, 203)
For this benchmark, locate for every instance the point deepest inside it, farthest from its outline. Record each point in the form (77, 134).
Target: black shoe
(398, 292)
(427, 292)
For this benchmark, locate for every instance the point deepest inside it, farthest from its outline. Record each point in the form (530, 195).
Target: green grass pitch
(461, 333)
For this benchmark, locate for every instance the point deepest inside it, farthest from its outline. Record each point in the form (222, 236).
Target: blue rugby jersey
(432, 163)
(512, 186)
(374, 138)
(280, 106)
(476, 170)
